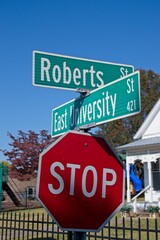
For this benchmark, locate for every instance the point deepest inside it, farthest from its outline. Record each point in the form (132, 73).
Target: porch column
(128, 181)
(150, 181)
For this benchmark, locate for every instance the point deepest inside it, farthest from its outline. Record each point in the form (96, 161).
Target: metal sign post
(79, 236)
(76, 235)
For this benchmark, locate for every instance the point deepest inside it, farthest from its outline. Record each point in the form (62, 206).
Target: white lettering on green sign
(113, 101)
(65, 74)
(102, 107)
(58, 71)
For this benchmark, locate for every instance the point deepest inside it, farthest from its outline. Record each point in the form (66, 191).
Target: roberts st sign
(115, 100)
(59, 71)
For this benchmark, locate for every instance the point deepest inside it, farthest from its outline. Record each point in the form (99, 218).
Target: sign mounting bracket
(86, 127)
(83, 92)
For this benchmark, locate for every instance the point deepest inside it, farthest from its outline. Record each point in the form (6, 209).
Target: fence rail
(22, 226)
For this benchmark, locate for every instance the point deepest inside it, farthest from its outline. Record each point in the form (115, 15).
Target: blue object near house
(137, 183)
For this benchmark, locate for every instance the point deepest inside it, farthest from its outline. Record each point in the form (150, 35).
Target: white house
(146, 147)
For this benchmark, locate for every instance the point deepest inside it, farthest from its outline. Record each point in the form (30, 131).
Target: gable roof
(151, 126)
(148, 142)
(149, 133)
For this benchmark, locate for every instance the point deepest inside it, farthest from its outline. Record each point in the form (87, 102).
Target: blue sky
(123, 31)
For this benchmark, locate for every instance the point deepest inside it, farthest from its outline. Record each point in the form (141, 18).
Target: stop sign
(80, 182)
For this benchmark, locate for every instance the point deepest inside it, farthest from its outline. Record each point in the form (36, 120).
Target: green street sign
(58, 71)
(115, 100)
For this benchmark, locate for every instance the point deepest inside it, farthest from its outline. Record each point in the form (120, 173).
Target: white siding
(154, 129)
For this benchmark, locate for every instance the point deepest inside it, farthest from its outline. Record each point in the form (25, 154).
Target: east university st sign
(115, 100)
(59, 71)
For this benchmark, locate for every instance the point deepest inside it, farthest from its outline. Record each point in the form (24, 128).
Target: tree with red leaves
(24, 153)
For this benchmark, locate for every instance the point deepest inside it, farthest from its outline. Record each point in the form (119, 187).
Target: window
(155, 166)
(156, 174)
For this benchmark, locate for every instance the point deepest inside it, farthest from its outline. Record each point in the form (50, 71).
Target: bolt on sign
(115, 100)
(65, 72)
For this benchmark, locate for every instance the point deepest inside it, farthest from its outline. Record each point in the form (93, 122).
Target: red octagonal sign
(80, 182)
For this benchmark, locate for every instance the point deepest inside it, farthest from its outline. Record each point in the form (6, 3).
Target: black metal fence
(14, 226)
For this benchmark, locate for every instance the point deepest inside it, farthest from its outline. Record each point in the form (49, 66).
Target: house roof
(149, 132)
(140, 143)
(149, 121)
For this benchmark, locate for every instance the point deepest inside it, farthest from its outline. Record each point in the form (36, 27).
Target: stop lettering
(80, 182)
(85, 174)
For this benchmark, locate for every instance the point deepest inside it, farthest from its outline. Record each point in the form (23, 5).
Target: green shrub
(152, 209)
(126, 208)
